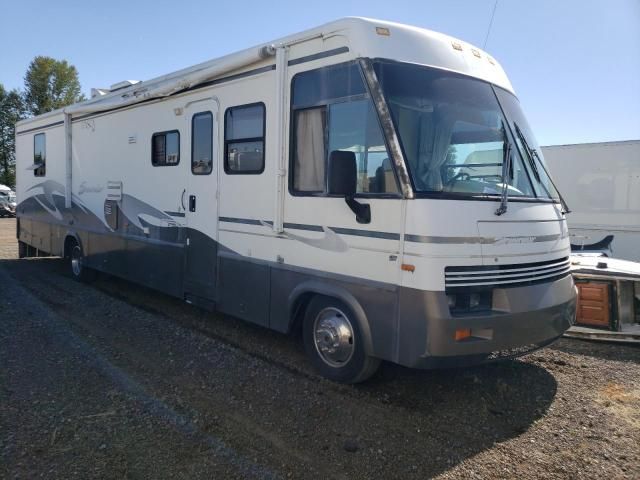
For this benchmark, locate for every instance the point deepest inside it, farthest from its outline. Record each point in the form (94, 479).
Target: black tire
(77, 263)
(357, 366)
(23, 250)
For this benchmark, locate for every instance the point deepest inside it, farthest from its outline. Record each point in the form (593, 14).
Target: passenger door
(199, 199)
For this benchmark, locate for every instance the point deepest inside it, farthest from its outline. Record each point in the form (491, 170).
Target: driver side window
(332, 111)
(353, 126)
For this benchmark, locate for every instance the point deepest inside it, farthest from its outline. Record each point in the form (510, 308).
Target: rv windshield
(451, 130)
(527, 144)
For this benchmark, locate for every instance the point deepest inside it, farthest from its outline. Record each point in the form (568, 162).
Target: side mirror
(343, 180)
(342, 173)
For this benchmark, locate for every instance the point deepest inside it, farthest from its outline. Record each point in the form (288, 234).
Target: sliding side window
(202, 143)
(39, 155)
(332, 111)
(244, 132)
(165, 149)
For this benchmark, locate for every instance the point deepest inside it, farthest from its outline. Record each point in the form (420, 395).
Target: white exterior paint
(359, 34)
(601, 183)
(102, 153)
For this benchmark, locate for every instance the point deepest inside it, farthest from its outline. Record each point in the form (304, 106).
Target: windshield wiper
(532, 155)
(507, 172)
(565, 207)
(529, 151)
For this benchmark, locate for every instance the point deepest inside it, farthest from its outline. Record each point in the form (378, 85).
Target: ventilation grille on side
(506, 275)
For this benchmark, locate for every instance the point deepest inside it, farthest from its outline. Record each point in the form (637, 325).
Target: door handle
(182, 198)
(192, 203)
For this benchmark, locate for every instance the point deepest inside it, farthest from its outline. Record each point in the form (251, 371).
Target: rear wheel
(23, 250)
(77, 261)
(334, 342)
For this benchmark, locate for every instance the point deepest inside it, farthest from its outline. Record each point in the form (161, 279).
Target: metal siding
(244, 289)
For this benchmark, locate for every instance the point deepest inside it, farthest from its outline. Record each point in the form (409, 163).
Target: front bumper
(524, 319)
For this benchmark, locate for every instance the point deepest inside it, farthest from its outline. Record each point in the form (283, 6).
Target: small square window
(165, 149)
(244, 134)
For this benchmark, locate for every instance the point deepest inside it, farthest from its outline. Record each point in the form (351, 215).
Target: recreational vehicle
(371, 185)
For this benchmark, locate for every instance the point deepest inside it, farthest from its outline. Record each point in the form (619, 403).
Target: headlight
(474, 301)
(451, 299)
(463, 301)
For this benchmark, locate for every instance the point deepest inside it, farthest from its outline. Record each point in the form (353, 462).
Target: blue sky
(575, 64)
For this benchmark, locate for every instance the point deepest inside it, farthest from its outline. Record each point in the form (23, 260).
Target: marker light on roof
(383, 31)
(475, 52)
(456, 46)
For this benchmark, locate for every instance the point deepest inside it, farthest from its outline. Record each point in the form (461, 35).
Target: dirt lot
(111, 380)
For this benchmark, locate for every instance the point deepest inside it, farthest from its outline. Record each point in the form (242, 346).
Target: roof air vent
(123, 84)
(99, 92)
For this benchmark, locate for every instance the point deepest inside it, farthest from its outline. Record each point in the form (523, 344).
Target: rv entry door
(199, 199)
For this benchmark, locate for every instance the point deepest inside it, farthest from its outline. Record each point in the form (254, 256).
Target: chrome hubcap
(76, 260)
(333, 337)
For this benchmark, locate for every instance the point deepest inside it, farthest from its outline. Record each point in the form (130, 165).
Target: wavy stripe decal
(317, 228)
(442, 240)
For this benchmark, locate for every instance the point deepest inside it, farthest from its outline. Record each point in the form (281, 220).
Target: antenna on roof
(495, 5)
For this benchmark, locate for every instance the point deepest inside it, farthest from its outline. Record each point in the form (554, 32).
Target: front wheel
(334, 342)
(79, 270)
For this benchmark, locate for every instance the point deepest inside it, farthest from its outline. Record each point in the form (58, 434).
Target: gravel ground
(111, 380)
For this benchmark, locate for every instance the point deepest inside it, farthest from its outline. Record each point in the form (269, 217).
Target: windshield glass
(453, 132)
(541, 182)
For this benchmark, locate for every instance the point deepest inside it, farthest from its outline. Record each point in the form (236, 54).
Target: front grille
(516, 274)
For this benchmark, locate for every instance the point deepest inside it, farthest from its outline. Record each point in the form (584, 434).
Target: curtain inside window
(310, 154)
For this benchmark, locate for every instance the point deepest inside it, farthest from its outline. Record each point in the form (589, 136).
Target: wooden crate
(594, 305)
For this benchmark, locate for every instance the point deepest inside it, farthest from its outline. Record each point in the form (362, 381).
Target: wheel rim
(76, 260)
(333, 337)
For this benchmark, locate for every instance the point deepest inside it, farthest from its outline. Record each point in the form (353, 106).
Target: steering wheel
(464, 176)
(492, 178)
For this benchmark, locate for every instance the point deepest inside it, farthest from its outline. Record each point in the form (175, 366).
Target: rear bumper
(524, 319)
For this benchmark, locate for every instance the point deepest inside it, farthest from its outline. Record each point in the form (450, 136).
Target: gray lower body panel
(403, 325)
(528, 317)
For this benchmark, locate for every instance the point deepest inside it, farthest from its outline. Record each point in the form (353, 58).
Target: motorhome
(601, 182)
(371, 185)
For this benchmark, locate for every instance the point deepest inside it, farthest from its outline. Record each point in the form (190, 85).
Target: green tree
(11, 110)
(50, 84)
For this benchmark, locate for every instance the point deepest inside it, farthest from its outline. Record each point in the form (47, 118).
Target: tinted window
(353, 126)
(452, 131)
(165, 149)
(39, 155)
(202, 143)
(325, 84)
(540, 179)
(345, 120)
(244, 139)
